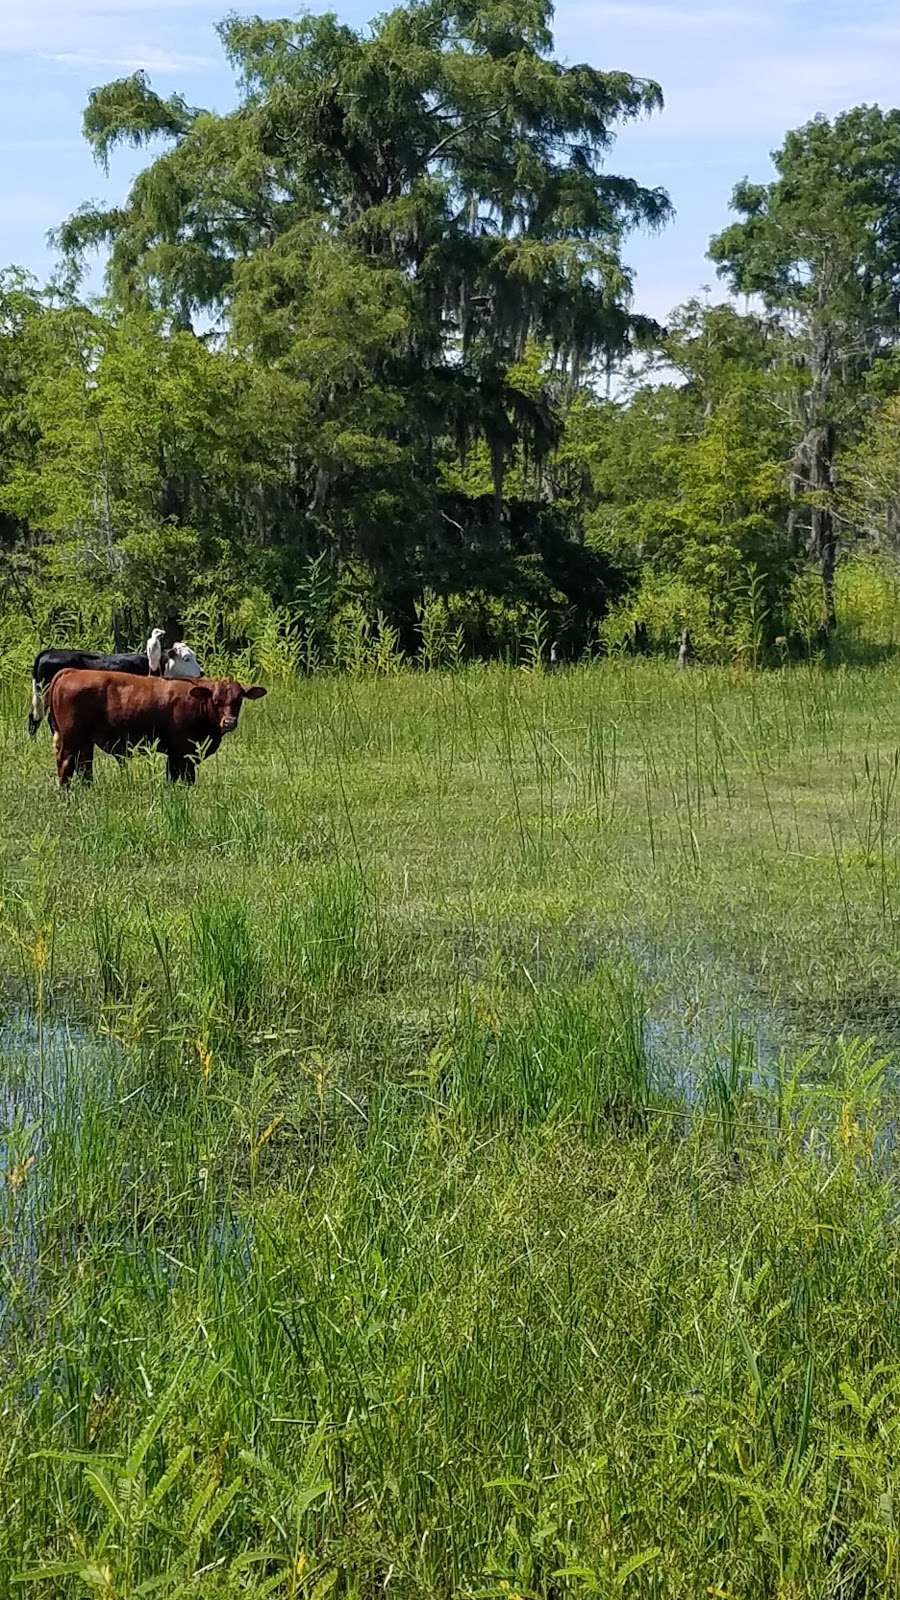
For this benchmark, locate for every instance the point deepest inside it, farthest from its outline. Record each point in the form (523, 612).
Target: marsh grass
(574, 1055)
(396, 1195)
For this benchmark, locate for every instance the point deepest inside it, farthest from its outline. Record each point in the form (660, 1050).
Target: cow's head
(180, 662)
(222, 699)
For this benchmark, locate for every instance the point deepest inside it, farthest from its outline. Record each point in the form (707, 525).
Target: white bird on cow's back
(180, 662)
(154, 649)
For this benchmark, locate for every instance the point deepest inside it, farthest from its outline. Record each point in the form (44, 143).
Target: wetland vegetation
(450, 1151)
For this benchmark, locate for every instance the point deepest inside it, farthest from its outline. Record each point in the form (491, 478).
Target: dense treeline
(368, 378)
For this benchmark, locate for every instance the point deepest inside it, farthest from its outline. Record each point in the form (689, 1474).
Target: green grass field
(449, 1152)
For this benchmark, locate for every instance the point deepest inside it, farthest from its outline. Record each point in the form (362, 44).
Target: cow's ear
(255, 692)
(200, 691)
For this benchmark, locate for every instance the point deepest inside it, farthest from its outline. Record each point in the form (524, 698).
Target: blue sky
(735, 77)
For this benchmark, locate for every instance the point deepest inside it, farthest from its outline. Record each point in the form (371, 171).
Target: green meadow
(450, 1151)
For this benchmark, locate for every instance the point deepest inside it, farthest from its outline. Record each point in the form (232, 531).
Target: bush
(867, 599)
(665, 605)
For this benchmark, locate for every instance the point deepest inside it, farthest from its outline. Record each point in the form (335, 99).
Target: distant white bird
(686, 657)
(181, 662)
(154, 651)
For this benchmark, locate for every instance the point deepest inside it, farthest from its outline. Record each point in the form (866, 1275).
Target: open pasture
(450, 1150)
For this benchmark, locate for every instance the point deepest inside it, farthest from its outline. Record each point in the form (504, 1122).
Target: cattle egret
(154, 651)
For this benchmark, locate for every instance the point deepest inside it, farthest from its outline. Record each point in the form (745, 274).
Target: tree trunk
(798, 486)
(814, 460)
(892, 524)
(824, 540)
(120, 632)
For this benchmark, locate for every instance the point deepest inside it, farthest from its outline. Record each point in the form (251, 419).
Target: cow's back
(49, 662)
(98, 706)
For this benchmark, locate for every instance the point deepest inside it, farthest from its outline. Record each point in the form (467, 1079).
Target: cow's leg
(65, 762)
(181, 766)
(73, 762)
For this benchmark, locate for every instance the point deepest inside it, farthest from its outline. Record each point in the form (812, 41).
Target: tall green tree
(684, 483)
(21, 309)
(388, 218)
(821, 246)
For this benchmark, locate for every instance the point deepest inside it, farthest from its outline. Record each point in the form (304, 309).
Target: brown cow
(117, 710)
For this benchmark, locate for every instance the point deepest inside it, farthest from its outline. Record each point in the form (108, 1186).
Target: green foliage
(868, 593)
(804, 609)
(140, 447)
(665, 605)
(441, 636)
(869, 481)
(688, 485)
(132, 1503)
(129, 111)
(822, 239)
(821, 245)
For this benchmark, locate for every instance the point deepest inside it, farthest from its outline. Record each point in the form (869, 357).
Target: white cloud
(746, 90)
(872, 33)
(766, 94)
(149, 57)
(72, 26)
(84, 13)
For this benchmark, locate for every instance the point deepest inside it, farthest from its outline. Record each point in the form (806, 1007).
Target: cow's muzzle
(228, 724)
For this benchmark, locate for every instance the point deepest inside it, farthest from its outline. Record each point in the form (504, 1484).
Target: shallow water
(46, 1070)
(700, 1019)
(43, 1062)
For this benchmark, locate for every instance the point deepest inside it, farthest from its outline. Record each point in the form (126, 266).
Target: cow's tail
(38, 707)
